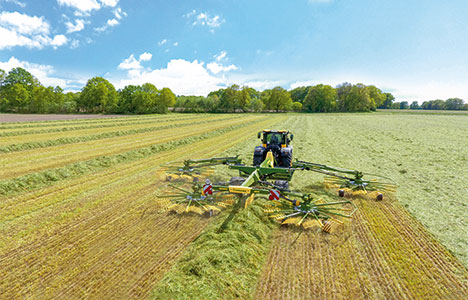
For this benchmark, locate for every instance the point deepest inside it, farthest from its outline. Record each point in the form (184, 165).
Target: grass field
(79, 211)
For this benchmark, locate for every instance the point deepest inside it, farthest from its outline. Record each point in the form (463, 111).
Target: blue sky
(418, 50)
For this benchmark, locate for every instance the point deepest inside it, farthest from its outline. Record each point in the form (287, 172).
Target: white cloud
(42, 72)
(204, 19)
(111, 3)
(261, 85)
(188, 15)
(175, 44)
(24, 24)
(112, 22)
(22, 30)
(75, 27)
(81, 5)
(132, 64)
(181, 76)
(109, 23)
(215, 68)
(146, 56)
(162, 42)
(119, 13)
(220, 56)
(59, 40)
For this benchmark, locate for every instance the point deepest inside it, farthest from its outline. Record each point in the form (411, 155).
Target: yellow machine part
(239, 189)
(249, 200)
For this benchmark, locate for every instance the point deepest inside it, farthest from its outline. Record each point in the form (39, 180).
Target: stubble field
(79, 217)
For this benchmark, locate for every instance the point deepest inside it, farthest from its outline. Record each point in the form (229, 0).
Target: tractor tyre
(286, 161)
(236, 181)
(257, 160)
(282, 185)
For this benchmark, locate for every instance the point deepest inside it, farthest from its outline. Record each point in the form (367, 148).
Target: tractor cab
(276, 141)
(281, 138)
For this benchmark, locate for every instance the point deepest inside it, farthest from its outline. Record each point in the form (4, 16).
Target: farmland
(79, 210)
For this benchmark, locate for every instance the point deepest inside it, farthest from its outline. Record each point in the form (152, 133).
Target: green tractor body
(278, 142)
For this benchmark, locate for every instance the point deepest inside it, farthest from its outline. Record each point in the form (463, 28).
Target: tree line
(449, 104)
(21, 92)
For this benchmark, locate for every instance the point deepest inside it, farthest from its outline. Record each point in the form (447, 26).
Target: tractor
(278, 143)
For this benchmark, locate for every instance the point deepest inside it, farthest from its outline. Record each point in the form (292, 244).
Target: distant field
(49, 117)
(79, 218)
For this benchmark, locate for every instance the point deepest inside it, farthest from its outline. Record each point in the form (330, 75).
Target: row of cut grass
(27, 162)
(117, 123)
(70, 140)
(52, 123)
(44, 178)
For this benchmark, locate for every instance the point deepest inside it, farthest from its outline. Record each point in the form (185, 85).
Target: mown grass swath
(71, 140)
(123, 122)
(221, 265)
(44, 178)
(36, 160)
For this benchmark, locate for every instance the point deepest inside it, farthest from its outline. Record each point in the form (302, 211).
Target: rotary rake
(191, 191)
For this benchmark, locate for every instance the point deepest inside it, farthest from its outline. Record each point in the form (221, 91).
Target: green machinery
(193, 191)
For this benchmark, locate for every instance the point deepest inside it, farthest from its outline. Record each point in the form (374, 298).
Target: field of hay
(79, 211)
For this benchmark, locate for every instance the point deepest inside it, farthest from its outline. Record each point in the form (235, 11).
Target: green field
(79, 213)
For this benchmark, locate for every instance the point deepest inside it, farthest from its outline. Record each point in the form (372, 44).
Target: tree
(228, 100)
(454, 104)
(321, 98)
(377, 96)
(99, 95)
(404, 105)
(389, 98)
(256, 105)
(297, 106)
(357, 98)
(2, 77)
(279, 100)
(20, 76)
(166, 100)
(125, 101)
(298, 94)
(17, 98)
(414, 105)
(244, 99)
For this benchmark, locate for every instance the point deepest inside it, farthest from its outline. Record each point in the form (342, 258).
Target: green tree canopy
(279, 100)
(321, 98)
(99, 95)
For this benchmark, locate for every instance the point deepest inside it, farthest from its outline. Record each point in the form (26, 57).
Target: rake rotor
(310, 213)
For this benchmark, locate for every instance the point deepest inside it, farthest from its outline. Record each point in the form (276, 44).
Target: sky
(417, 50)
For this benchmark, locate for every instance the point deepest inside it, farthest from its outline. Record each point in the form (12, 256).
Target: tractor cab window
(274, 139)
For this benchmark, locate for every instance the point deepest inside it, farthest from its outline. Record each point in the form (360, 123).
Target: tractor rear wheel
(286, 161)
(257, 160)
